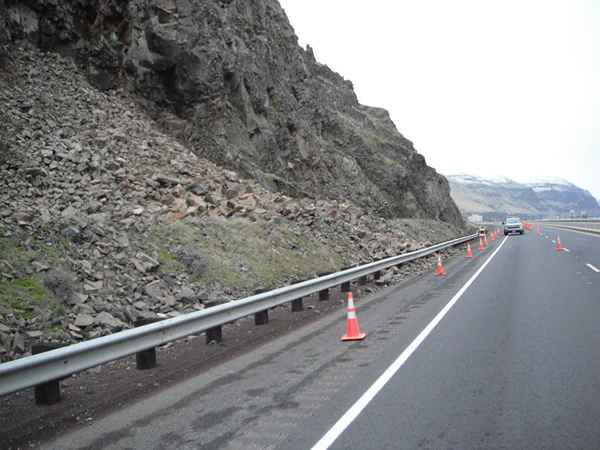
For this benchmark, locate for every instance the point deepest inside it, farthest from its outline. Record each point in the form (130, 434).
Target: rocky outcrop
(5, 37)
(245, 94)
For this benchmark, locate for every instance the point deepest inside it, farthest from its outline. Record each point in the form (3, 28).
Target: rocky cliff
(245, 95)
(116, 201)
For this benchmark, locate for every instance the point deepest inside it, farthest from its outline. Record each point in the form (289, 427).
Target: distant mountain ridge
(495, 197)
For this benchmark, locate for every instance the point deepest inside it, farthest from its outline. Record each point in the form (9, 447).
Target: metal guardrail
(62, 362)
(592, 226)
(570, 220)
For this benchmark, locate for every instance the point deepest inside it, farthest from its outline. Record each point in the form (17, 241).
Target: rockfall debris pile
(247, 96)
(106, 221)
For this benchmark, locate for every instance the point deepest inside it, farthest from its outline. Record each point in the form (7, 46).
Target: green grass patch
(20, 258)
(56, 331)
(246, 255)
(168, 262)
(27, 296)
(24, 295)
(14, 254)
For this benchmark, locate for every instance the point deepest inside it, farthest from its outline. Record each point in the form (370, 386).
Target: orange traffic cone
(485, 241)
(353, 332)
(439, 268)
(559, 247)
(481, 244)
(493, 236)
(469, 251)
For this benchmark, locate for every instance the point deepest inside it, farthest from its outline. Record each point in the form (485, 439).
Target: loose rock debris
(106, 221)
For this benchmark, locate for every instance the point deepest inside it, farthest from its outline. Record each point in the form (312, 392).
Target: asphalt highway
(500, 353)
(513, 365)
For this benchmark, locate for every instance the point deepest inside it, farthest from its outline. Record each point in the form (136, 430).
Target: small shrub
(61, 283)
(193, 259)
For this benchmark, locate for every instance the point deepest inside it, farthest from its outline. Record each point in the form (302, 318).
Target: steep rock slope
(501, 196)
(246, 95)
(106, 220)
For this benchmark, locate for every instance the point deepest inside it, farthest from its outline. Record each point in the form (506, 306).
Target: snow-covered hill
(498, 196)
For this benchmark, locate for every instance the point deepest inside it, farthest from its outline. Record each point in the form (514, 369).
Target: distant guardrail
(585, 225)
(571, 220)
(44, 370)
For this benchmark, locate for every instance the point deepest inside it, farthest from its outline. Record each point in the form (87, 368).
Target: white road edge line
(344, 422)
(594, 268)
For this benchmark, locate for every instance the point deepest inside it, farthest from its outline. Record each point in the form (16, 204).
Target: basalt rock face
(245, 94)
(5, 37)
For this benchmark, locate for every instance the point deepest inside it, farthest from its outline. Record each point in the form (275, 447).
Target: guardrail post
(49, 392)
(363, 280)
(297, 305)
(345, 287)
(261, 317)
(377, 275)
(146, 359)
(214, 334)
(323, 294)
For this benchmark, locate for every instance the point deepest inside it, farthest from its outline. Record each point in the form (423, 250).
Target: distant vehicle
(513, 225)
(482, 231)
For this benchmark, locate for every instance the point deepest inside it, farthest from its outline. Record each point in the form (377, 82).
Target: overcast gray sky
(481, 87)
